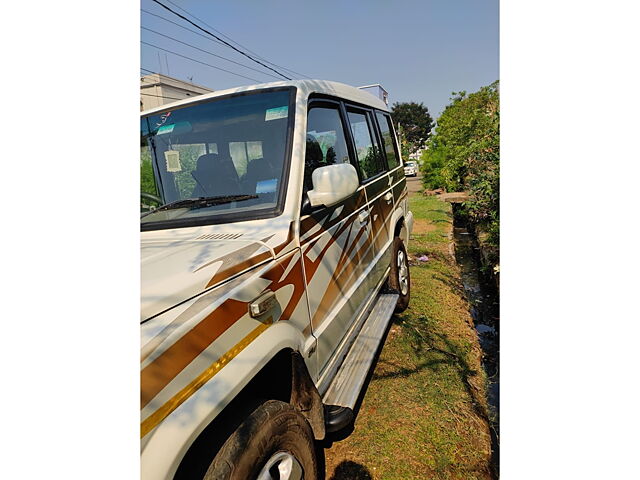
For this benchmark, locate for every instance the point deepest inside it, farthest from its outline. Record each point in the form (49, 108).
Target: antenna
(166, 59)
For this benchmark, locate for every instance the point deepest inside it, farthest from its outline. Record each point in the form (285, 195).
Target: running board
(345, 388)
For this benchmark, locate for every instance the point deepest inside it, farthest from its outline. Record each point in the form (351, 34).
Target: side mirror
(332, 184)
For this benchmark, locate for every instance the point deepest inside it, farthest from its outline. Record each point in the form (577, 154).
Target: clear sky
(417, 50)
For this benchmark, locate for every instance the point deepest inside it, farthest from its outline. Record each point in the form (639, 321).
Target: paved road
(414, 184)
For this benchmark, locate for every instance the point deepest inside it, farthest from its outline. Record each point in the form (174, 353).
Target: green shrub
(464, 155)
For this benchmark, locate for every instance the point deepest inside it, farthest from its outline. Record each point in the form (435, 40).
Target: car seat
(215, 175)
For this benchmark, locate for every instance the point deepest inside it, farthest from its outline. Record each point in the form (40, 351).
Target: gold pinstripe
(153, 420)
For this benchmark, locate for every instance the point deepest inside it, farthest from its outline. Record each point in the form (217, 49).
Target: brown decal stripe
(379, 225)
(346, 252)
(202, 303)
(167, 366)
(290, 237)
(399, 189)
(237, 267)
(155, 376)
(294, 277)
(236, 261)
(311, 267)
(376, 187)
(153, 420)
(350, 205)
(343, 276)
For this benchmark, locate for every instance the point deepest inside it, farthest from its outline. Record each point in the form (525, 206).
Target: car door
(392, 154)
(377, 183)
(335, 240)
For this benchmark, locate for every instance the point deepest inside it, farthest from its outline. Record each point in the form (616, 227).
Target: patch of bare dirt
(422, 226)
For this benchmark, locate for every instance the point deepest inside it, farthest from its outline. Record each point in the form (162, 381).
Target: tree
(414, 123)
(464, 154)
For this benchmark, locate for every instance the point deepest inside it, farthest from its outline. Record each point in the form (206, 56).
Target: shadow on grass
(348, 470)
(446, 212)
(443, 351)
(452, 283)
(447, 352)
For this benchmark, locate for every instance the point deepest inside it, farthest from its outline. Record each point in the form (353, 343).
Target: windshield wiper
(202, 202)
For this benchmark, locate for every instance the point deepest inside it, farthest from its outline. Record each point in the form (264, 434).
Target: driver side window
(326, 143)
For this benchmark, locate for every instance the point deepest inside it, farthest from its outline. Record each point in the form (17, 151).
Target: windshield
(229, 151)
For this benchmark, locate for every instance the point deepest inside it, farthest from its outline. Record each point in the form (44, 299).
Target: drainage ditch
(483, 299)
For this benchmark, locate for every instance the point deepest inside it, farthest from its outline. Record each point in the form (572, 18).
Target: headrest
(208, 161)
(314, 152)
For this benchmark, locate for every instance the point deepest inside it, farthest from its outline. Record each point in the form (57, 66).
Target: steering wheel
(149, 196)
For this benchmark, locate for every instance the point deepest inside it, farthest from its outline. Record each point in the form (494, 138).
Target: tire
(396, 283)
(275, 435)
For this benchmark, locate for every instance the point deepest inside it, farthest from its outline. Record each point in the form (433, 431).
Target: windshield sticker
(163, 119)
(267, 186)
(276, 113)
(165, 129)
(173, 161)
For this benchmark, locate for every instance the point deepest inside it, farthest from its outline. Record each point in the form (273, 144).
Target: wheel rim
(281, 466)
(403, 273)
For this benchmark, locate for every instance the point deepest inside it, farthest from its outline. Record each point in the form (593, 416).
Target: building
(417, 156)
(377, 91)
(157, 89)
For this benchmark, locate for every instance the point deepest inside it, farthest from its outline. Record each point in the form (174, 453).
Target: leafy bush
(464, 155)
(432, 163)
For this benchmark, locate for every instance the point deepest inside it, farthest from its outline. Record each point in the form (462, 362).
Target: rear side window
(326, 142)
(386, 129)
(366, 149)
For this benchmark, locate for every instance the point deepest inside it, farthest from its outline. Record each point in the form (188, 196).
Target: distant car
(410, 169)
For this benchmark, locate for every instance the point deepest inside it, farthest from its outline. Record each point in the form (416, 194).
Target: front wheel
(399, 277)
(274, 442)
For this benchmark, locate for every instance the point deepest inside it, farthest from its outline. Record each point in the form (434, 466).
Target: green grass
(424, 414)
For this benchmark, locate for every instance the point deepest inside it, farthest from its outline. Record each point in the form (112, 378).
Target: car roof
(305, 88)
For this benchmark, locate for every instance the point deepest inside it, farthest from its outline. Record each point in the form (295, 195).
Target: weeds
(424, 414)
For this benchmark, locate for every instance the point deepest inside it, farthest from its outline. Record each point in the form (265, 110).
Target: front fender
(165, 446)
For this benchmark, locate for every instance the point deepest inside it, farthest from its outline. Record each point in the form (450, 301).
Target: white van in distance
(411, 169)
(274, 221)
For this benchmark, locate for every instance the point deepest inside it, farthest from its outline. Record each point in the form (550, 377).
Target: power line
(223, 41)
(237, 43)
(216, 42)
(198, 61)
(182, 26)
(207, 52)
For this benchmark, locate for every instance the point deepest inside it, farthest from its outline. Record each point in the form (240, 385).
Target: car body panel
(199, 344)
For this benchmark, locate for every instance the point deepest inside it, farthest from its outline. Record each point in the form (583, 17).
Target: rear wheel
(399, 276)
(274, 442)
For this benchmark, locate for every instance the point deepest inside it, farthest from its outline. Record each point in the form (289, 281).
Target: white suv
(411, 169)
(274, 223)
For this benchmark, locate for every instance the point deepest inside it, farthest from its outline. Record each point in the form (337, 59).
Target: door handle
(363, 216)
(388, 197)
